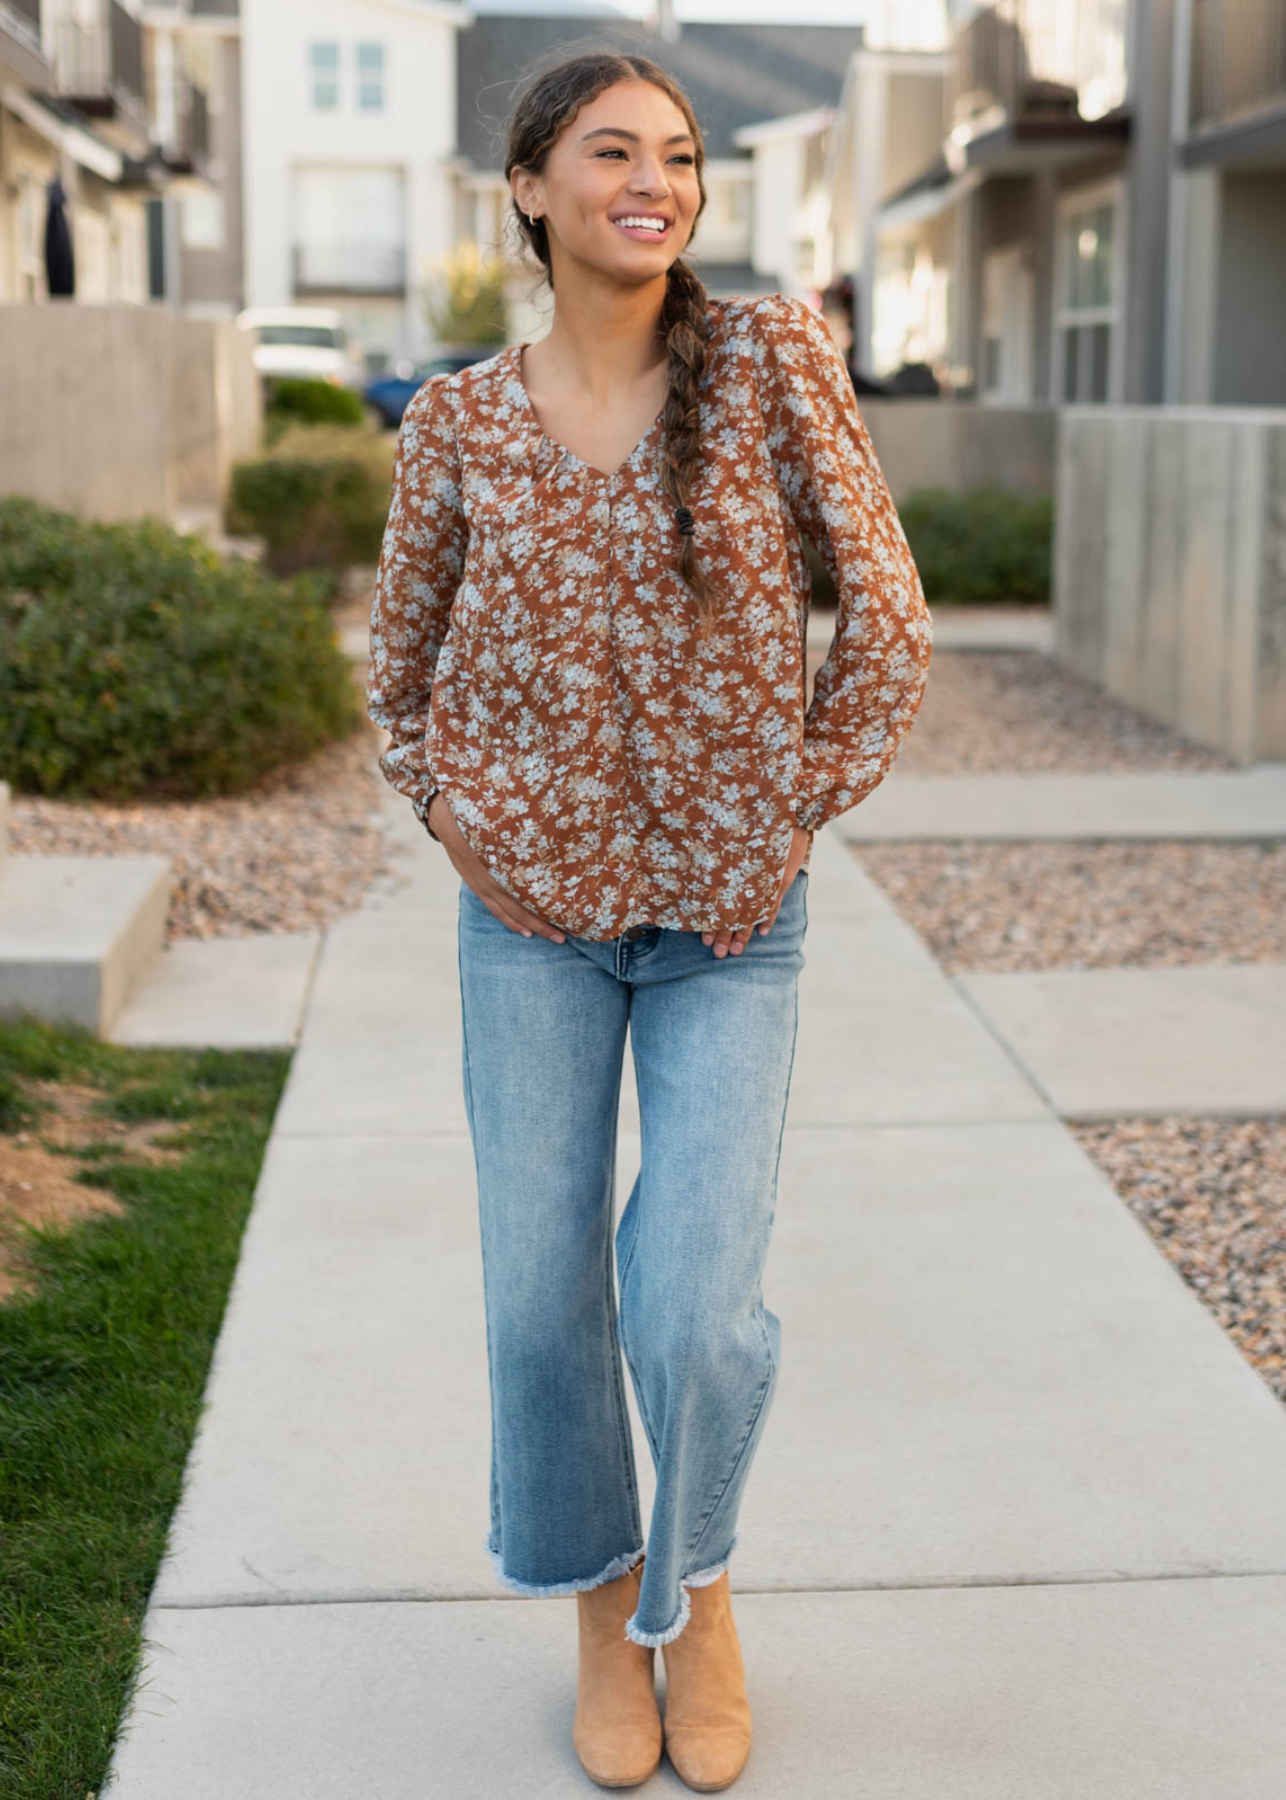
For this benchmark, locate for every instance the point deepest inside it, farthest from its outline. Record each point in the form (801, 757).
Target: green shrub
(318, 500)
(980, 546)
(293, 401)
(134, 661)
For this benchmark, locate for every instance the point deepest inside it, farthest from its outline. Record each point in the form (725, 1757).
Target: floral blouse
(534, 651)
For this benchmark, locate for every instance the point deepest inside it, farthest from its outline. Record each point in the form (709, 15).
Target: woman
(588, 647)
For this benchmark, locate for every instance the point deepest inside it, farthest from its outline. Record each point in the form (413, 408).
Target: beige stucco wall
(115, 412)
(1170, 567)
(960, 444)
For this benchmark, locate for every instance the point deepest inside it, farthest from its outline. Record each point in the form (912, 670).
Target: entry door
(1008, 322)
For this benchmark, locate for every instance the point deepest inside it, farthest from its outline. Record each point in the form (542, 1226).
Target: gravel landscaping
(1068, 905)
(295, 853)
(1017, 712)
(1088, 906)
(1210, 1192)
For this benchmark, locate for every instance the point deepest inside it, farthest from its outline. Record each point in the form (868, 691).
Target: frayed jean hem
(699, 1578)
(619, 1565)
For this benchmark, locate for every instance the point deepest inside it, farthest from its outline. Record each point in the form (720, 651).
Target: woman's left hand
(732, 943)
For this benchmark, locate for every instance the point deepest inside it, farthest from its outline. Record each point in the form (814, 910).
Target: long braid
(685, 326)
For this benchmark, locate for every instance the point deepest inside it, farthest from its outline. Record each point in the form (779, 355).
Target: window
(1087, 315)
(370, 77)
(323, 62)
(202, 223)
(349, 230)
(729, 205)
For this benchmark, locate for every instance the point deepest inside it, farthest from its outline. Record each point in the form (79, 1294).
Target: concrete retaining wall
(1170, 567)
(959, 444)
(119, 411)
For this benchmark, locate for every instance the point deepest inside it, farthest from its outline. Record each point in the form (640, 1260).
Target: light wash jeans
(713, 1042)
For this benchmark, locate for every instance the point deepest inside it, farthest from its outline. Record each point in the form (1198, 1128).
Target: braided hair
(550, 97)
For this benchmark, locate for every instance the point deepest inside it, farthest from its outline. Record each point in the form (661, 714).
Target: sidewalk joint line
(872, 1587)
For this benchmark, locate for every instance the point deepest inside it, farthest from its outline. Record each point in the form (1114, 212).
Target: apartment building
(1099, 207)
(348, 121)
(85, 99)
(195, 230)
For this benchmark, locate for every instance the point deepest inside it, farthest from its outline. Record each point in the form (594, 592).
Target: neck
(604, 335)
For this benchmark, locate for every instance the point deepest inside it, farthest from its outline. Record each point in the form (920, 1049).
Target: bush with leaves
(294, 401)
(982, 545)
(135, 662)
(465, 302)
(318, 500)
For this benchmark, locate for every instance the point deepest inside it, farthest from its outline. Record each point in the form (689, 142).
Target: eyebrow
(680, 137)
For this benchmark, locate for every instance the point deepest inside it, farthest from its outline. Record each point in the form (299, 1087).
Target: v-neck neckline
(562, 450)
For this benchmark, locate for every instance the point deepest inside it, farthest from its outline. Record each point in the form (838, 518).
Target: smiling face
(619, 191)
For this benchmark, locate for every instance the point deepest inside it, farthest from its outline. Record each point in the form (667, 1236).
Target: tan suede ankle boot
(707, 1714)
(617, 1732)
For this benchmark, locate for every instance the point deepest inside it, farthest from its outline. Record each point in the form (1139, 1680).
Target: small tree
(465, 300)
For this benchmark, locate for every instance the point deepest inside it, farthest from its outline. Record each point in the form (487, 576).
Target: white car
(308, 343)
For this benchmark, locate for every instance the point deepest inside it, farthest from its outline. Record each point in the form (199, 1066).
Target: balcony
(98, 67)
(182, 117)
(1048, 60)
(376, 269)
(1238, 60)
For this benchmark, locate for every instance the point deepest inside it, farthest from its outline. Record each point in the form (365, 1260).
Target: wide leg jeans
(713, 1042)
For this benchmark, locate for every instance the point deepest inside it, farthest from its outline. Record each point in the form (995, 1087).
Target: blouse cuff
(420, 805)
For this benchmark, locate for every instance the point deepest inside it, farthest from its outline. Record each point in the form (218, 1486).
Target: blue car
(388, 394)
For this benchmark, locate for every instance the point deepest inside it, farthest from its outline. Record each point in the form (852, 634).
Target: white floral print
(534, 650)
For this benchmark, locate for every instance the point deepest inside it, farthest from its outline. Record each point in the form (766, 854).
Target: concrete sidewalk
(1242, 804)
(1017, 1525)
(1208, 1040)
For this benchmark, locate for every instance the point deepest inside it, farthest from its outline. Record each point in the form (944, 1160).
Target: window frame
(362, 76)
(1064, 318)
(316, 74)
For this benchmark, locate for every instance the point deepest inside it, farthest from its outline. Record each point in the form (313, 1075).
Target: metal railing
(99, 55)
(25, 17)
(1238, 59)
(182, 114)
(1014, 56)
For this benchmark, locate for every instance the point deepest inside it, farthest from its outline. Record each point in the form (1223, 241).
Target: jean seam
(494, 1535)
(703, 1523)
(616, 1345)
(654, 1443)
(773, 1364)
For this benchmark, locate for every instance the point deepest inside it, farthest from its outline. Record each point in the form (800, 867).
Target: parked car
(308, 343)
(389, 393)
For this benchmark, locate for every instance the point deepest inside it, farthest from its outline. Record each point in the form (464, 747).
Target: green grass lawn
(104, 1351)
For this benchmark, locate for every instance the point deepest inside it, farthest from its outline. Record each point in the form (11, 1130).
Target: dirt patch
(37, 1167)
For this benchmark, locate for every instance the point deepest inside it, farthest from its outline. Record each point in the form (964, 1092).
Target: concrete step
(77, 934)
(223, 994)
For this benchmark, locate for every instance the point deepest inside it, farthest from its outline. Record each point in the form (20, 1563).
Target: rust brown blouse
(534, 651)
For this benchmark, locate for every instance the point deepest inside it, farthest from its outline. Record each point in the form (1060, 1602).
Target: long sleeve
(421, 560)
(868, 689)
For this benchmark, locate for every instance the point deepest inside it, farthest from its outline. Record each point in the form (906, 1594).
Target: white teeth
(657, 225)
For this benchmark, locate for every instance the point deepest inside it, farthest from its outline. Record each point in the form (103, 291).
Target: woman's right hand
(473, 872)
